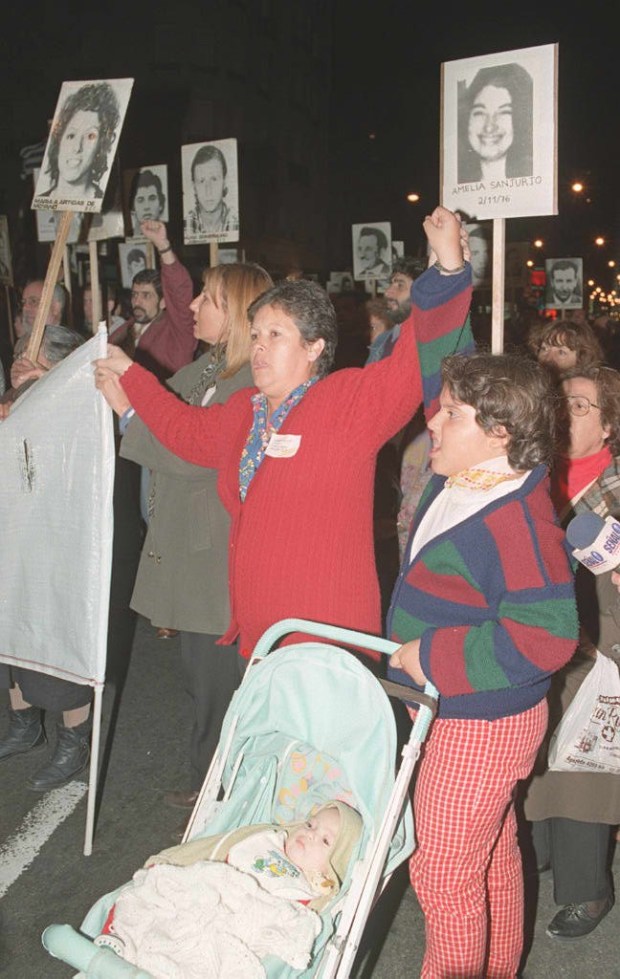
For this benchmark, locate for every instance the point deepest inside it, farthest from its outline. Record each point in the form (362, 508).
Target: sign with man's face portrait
(499, 133)
(372, 250)
(6, 262)
(146, 197)
(210, 192)
(81, 145)
(564, 286)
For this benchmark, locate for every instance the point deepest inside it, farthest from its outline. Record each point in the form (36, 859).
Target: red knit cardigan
(302, 542)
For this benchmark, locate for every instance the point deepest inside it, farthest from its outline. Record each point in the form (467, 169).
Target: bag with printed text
(587, 739)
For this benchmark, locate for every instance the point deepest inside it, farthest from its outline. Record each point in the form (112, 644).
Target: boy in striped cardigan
(484, 609)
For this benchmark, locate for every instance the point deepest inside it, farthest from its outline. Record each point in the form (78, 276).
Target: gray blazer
(182, 580)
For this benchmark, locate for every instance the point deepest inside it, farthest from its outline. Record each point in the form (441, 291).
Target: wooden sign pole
(51, 277)
(214, 256)
(9, 315)
(95, 291)
(499, 262)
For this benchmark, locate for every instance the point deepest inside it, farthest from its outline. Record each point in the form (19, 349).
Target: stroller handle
(336, 633)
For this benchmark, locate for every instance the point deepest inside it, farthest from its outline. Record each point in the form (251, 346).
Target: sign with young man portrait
(210, 192)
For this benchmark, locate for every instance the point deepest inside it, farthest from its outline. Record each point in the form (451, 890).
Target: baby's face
(311, 847)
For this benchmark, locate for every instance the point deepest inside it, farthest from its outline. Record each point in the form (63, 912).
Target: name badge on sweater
(283, 446)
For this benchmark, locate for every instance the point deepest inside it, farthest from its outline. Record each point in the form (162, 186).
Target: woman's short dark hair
(207, 153)
(607, 381)
(579, 337)
(97, 97)
(520, 156)
(312, 312)
(511, 391)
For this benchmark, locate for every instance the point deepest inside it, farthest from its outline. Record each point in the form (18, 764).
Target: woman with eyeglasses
(572, 812)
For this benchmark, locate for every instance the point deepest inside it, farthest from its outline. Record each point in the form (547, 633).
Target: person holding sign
(296, 454)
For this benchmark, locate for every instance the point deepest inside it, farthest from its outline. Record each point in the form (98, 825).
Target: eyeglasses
(30, 301)
(578, 404)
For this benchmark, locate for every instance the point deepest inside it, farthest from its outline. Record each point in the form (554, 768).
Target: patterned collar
(262, 430)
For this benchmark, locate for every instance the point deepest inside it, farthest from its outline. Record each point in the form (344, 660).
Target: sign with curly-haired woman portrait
(81, 145)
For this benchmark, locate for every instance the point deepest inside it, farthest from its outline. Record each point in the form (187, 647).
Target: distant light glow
(577, 187)
(413, 198)
(538, 243)
(599, 241)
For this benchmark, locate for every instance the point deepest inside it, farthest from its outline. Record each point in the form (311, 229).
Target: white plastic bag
(587, 739)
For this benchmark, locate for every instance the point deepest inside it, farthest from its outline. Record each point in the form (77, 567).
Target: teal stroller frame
(341, 718)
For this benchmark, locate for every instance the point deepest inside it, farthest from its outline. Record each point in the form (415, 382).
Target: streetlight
(599, 241)
(538, 243)
(577, 187)
(413, 198)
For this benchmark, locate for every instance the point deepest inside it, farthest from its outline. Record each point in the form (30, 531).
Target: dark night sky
(386, 73)
(386, 80)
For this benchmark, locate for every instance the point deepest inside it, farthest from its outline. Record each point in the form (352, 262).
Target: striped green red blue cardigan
(492, 600)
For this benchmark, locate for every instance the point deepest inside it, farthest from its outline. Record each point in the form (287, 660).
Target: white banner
(56, 480)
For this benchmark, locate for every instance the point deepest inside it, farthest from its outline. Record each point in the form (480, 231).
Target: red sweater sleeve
(196, 434)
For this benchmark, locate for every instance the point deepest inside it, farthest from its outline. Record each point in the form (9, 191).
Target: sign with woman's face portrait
(109, 223)
(210, 192)
(81, 145)
(499, 134)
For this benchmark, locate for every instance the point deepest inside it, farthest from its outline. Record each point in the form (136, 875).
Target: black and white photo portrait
(6, 263)
(495, 124)
(147, 196)
(81, 145)
(339, 282)
(108, 223)
(133, 258)
(499, 133)
(372, 250)
(480, 247)
(210, 191)
(564, 289)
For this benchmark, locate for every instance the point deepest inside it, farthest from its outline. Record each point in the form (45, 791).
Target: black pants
(211, 675)
(579, 857)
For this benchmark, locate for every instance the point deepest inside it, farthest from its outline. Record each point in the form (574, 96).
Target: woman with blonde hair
(183, 574)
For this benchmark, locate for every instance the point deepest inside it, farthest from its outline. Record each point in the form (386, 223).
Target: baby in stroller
(234, 895)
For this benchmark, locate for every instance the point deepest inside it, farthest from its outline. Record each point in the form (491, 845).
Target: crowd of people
(423, 495)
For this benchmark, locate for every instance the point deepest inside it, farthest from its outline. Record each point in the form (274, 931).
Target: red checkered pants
(467, 870)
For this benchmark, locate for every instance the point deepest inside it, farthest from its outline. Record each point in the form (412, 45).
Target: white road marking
(23, 846)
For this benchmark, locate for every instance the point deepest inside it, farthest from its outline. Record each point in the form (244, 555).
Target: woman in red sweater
(296, 454)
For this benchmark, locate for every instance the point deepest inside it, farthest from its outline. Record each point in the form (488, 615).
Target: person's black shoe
(25, 732)
(578, 920)
(71, 756)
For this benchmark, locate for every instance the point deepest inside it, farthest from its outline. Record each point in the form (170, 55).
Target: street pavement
(144, 753)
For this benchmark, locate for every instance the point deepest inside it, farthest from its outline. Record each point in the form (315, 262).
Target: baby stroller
(289, 742)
